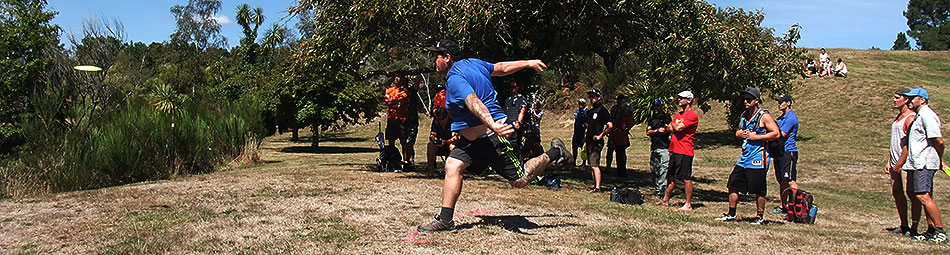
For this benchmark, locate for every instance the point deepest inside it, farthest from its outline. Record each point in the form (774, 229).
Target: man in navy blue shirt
(786, 166)
(480, 120)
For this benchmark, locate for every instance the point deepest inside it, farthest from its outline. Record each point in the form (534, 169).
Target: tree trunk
(293, 136)
(315, 140)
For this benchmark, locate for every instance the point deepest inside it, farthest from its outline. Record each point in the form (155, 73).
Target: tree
(927, 20)
(662, 46)
(196, 25)
(901, 43)
(25, 32)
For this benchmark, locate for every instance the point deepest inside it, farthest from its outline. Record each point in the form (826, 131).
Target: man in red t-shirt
(681, 149)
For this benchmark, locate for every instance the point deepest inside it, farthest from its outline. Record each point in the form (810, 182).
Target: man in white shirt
(924, 156)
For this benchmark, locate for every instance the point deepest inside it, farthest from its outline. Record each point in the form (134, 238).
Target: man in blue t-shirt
(786, 165)
(480, 120)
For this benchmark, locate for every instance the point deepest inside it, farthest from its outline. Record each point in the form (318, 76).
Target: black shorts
(395, 129)
(491, 151)
(748, 180)
(681, 167)
(786, 167)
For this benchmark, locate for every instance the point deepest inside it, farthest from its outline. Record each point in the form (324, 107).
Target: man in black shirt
(580, 127)
(598, 125)
(515, 107)
(659, 145)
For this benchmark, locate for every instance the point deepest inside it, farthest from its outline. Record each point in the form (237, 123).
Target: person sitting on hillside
(810, 68)
(841, 69)
(825, 62)
(441, 138)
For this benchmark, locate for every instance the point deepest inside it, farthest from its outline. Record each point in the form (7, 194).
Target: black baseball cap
(446, 46)
(784, 98)
(594, 92)
(752, 91)
(902, 91)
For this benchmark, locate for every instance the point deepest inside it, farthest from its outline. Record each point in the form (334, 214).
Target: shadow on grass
(716, 139)
(514, 223)
(327, 150)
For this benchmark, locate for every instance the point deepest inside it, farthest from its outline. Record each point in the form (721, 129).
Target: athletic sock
(732, 211)
(760, 214)
(445, 215)
(940, 230)
(554, 154)
(930, 229)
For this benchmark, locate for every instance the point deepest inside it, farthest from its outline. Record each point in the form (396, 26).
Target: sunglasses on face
(748, 99)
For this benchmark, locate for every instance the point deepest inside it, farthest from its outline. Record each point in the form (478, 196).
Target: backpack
(389, 159)
(626, 196)
(800, 205)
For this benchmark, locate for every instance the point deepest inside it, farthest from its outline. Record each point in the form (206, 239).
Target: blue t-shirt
(469, 76)
(788, 123)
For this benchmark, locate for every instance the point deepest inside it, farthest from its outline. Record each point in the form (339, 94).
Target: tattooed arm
(479, 109)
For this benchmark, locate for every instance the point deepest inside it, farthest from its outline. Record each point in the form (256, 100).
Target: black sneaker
(437, 226)
(922, 237)
(938, 237)
(726, 217)
(902, 230)
(566, 158)
(759, 220)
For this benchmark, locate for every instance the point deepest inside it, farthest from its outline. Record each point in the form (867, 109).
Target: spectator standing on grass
(598, 125)
(841, 69)
(659, 145)
(925, 156)
(397, 100)
(480, 121)
(756, 128)
(786, 165)
(515, 107)
(898, 157)
(683, 126)
(412, 122)
(619, 138)
(532, 132)
(580, 127)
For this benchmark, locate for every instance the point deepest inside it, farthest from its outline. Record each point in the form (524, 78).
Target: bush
(133, 144)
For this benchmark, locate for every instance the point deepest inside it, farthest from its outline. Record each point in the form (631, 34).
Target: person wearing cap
(924, 157)
(756, 128)
(438, 101)
(619, 137)
(480, 120)
(580, 127)
(786, 164)
(683, 127)
(598, 126)
(898, 157)
(515, 107)
(659, 145)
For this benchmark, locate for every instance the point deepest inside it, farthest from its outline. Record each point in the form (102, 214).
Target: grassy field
(327, 200)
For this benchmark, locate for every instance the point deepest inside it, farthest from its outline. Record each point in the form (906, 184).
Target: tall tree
(901, 42)
(25, 33)
(197, 26)
(928, 20)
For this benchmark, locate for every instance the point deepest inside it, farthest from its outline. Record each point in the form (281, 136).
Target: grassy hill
(323, 201)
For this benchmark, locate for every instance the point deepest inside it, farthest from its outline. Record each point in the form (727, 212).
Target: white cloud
(222, 20)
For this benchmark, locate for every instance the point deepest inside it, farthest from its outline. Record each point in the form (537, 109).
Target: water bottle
(813, 212)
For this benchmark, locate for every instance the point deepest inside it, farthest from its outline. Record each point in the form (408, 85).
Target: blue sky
(151, 21)
(857, 24)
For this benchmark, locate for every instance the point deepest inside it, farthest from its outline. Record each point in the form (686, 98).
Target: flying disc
(88, 68)
(946, 169)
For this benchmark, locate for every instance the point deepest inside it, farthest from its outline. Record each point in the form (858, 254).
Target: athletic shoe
(566, 158)
(759, 220)
(922, 237)
(437, 226)
(902, 230)
(779, 210)
(596, 190)
(938, 237)
(726, 217)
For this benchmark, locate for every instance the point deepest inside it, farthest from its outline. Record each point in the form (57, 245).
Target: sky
(856, 24)
(151, 21)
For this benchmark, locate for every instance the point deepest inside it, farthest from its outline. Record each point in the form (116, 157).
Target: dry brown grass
(327, 201)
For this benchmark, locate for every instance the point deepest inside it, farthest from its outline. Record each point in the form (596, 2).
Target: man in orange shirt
(397, 99)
